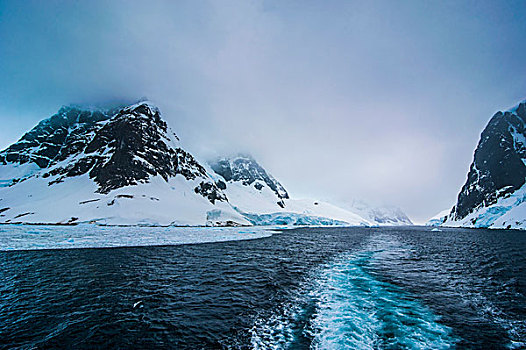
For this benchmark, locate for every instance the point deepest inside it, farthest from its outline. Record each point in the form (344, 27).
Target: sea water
(309, 288)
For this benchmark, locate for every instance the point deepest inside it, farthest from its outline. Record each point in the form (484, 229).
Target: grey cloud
(379, 100)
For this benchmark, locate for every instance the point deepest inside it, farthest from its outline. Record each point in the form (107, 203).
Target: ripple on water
(326, 288)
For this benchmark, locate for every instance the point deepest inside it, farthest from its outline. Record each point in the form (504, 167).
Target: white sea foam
(349, 307)
(357, 310)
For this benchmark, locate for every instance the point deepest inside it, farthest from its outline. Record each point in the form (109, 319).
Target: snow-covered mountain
(120, 166)
(495, 191)
(250, 187)
(264, 201)
(125, 166)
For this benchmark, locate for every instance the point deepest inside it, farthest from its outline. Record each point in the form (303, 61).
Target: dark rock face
(209, 190)
(245, 169)
(116, 148)
(498, 168)
(55, 139)
(129, 149)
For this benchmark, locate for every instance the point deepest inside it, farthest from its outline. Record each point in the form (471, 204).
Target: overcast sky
(375, 100)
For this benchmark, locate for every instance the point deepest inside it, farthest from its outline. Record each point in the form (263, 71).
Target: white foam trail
(354, 309)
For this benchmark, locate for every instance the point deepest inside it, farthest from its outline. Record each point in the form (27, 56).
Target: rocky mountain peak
(116, 148)
(245, 169)
(55, 138)
(498, 167)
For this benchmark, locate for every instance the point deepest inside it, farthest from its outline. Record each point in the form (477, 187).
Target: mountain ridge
(126, 166)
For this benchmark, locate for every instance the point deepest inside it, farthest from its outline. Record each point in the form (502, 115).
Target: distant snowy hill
(379, 215)
(121, 166)
(494, 193)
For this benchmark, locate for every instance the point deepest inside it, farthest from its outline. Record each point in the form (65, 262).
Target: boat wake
(348, 306)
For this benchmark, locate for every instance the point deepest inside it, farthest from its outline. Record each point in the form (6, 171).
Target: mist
(339, 100)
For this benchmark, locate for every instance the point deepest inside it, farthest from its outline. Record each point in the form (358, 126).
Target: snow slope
(158, 202)
(509, 212)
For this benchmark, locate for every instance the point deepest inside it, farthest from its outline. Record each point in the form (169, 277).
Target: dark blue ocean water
(324, 288)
